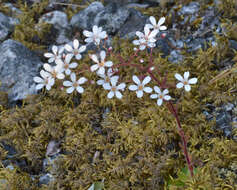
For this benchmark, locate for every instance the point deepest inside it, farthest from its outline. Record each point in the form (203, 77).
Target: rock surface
(6, 26)
(18, 66)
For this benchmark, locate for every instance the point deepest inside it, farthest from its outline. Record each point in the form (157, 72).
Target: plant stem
(181, 133)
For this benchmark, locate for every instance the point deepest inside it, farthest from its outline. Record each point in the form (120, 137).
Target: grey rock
(223, 118)
(14, 11)
(175, 56)
(49, 163)
(18, 66)
(85, 18)
(112, 18)
(233, 44)
(45, 179)
(6, 26)
(190, 9)
(61, 28)
(135, 22)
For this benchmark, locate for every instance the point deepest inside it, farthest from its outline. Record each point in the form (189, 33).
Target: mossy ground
(137, 141)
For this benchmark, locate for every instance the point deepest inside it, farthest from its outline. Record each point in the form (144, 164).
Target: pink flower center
(140, 87)
(113, 88)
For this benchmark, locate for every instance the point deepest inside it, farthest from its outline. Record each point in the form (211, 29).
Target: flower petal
(163, 28)
(48, 67)
(139, 93)
(178, 77)
(82, 49)
(73, 77)
(73, 65)
(106, 86)
(95, 29)
(102, 55)
(136, 79)
(118, 94)
(179, 85)
(154, 96)
(70, 90)
(161, 21)
(121, 86)
(108, 63)
(166, 91)
(94, 67)
(100, 82)
(186, 75)
(80, 89)
(101, 71)
(103, 35)
(78, 56)
(152, 20)
(110, 94)
(139, 34)
(113, 81)
(136, 42)
(48, 55)
(75, 44)
(87, 33)
(39, 86)
(82, 80)
(94, 58)
(157, 89)
(192, 81)
(55, 49)
(187, 87)
(68, 58)
(67, 83)
(68, 48)
(132, 87)
(89, 40)
(167, 98)
(147, 89)
(38, 79)
(146, 80)
(159, 102)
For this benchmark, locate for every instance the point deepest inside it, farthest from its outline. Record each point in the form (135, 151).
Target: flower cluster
(64, 59)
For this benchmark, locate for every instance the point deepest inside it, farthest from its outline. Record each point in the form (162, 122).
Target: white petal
(100, 82)
(48, 67)
(166, 91)
(102, 55)
(89, 40)
(61, 50)
(48, 55)
(94, 67)
(187, 87)
(95, 29)
(48, 87)
(51, 81)
(136, 42)
(106, 86)
(82, 80)
(146, 80)
(118, 94)
(139, 93)
(179, 85)
(59, 62)
(67, 71)
(73, 65)
(87, 33)
(39, 86)
(82, 49)
(121, 86)
(149, 26)
(73, 77)
(146, 31)
(153, 33)
(159, 102)
(44, 74)
(157, 89)
(136, 79)
(163, 28)
(110, 94)
(152, 40)
(161, 21)
(142, 47)
(178, 77)
(70, 90)
(192, 81)
(113, 81)
(132, 87)
(75, 44)
(103, 35)
(78, 56)
(94, 58)
(68, 48)
(55, 49)
(60, 76)
(152, 20)
(167, 98)
(101, 71)
(147, 89)
(38, 79)
(68, 58)
(139, 34)
(154, 96)
(67, 83)
(186, 75)
(97, 41)
(80, 89)
(108, 63)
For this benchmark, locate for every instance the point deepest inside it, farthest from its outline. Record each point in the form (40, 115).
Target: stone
(84, 20)
(190, 9)
(45, 179)
(18, 66)
(135, 22)
(61, 28)
(112, 18)
(6, 26)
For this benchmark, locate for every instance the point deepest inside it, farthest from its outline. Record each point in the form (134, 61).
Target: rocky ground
(201, 36)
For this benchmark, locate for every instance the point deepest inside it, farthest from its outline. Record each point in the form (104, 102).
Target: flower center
(140, 87)
(66, 65)
(101, 64)
(54, 74)
(185, 82)
(161, 96)
(75, 84)
(75, 52)
(107, 79)
(113, 88)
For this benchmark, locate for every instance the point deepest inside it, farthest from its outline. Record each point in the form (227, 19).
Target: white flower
(147, 39)
(140, 87)
(100, 66)
(106, 78)
(156, 26)
(184, 81)
(56, 55)
(75, 50)
(160, 96)
(95, 36)
(55, 71)
(75, 84)
(46, 80)
(66, 65)
(114, 89)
